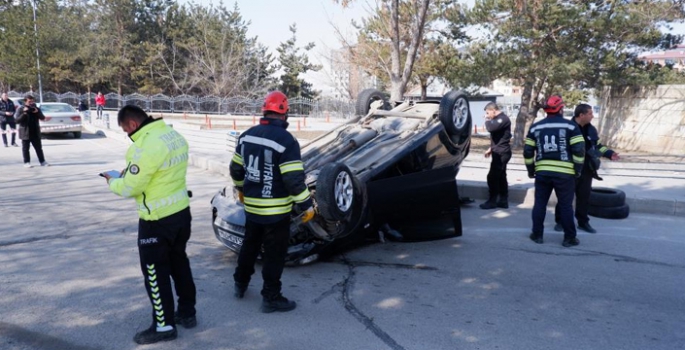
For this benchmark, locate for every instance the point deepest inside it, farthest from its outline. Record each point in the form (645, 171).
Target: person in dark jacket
(28, 118)
(554, 154)
(268, 172)
(582, 117)
(499, 127)
(7, 111)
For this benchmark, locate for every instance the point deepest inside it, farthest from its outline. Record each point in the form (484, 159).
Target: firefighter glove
(307, 215)
(241, 198)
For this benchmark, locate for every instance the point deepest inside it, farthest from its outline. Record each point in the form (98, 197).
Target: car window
(17, 101)
(56, 108)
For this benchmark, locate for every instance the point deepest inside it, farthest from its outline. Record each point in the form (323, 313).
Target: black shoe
(570, 242)
(587, 228)
(185, 322)
(503, 204)
(558, 228)
(279, 303)
(488, 205)
(535, 238)
(239, 290)
(151, 335)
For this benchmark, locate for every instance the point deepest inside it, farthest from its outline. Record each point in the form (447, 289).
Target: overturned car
(389, 168)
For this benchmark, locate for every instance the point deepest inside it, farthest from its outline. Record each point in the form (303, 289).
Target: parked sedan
(387, 170)
(60, 118)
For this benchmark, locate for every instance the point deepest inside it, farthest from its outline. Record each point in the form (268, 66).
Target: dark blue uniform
(554, 154)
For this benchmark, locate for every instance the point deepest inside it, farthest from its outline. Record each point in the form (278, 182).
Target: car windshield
(56, 108)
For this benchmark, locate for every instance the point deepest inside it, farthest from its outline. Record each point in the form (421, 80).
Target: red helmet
(277, 102)
(554, 104)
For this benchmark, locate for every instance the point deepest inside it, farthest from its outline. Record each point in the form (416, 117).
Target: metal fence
(324, 107)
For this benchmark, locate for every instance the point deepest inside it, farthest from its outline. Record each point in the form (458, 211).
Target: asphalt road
(69, 277)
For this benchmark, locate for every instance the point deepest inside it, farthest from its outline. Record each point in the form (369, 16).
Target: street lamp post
(35, 32)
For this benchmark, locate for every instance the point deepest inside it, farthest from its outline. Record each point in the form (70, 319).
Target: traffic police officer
(554, 153)
(268, 172)
(155, 176)
(582, 116)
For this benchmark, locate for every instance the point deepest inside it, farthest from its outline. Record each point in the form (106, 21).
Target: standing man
(582, 117)
(83, 109)
(554, 153)
(28, 118)
(7, 118)
(100, 104)
(155, 175)
(267, 171)
(499, 127)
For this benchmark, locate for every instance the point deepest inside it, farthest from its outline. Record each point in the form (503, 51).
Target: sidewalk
(654, 187)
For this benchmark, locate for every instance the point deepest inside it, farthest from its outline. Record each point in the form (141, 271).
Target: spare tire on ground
(618, 212)
(607, 197)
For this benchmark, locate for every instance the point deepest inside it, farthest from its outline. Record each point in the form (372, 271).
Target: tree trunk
(424, 91)
(524, 116)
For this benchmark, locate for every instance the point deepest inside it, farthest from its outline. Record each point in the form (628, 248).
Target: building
(674, 57)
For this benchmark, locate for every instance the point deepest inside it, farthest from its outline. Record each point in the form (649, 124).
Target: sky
(315, 19)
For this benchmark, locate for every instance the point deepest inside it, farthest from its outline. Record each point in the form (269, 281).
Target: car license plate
(231, 238)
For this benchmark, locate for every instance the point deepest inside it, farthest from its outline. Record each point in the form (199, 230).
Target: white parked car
(60, 118)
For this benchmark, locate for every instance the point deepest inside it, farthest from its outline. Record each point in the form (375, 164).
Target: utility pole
(35, 32)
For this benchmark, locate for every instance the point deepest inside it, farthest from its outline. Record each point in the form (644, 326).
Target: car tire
(77, 134)
(455, 116)
(366, 98)
(607, 197)
(619, 212)
(336, 192)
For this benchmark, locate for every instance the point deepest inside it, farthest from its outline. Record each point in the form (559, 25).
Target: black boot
(503, 202)
(489, 204)
(151, 335)
(278, 303)
(186, 322)
(239, 289)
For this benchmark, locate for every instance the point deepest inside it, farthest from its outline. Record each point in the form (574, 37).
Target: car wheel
(77, 134)
(620, 212)
(366, 98)
(455, 116)
(607, 197)
(336, 192)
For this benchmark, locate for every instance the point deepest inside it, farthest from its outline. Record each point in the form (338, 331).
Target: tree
(393, 21)
(553, 47)
(293, 64)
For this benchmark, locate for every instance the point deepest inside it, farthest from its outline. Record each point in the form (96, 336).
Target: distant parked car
(60, 118)
(18, 101)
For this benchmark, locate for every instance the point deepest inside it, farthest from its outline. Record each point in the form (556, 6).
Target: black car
(387, 169)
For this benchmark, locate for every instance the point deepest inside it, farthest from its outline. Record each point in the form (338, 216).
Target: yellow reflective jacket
(155, 173)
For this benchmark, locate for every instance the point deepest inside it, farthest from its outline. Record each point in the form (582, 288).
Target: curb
(518, 194)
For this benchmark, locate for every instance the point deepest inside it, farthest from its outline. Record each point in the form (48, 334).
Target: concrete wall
(647, 119)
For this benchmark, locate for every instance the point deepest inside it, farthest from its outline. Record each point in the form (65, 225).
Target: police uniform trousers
(564, 188)
(274, 239)
(162, 249)
(583, 189)
(497, 176)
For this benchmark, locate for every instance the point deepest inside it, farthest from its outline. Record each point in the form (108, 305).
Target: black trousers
(497, 176)
(13, 127)
(564, 188)
(99, 111)
(274, 238)
(162, 250)
(37, 146)
(583, 189)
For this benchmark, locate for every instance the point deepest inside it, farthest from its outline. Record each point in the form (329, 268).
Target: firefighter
(155, 176)
(268, 172)
(554, 154)
(593, 150)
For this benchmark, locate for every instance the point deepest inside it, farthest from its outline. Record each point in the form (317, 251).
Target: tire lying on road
(607, 197)
(618, 212)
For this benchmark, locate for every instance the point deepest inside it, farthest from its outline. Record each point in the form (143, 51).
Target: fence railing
(326, 107)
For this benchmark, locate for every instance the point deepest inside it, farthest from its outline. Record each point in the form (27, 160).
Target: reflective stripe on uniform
(577, 139)
(164, 202)
(285, 209)
(528, 161)
(238, 183)
(552, 126)
(291, 166)
(267, 202)
(303, 196)
(578, 160)
(237, 158)
(530, 142)
(263, 142)
(555, 169)
(554, 163)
